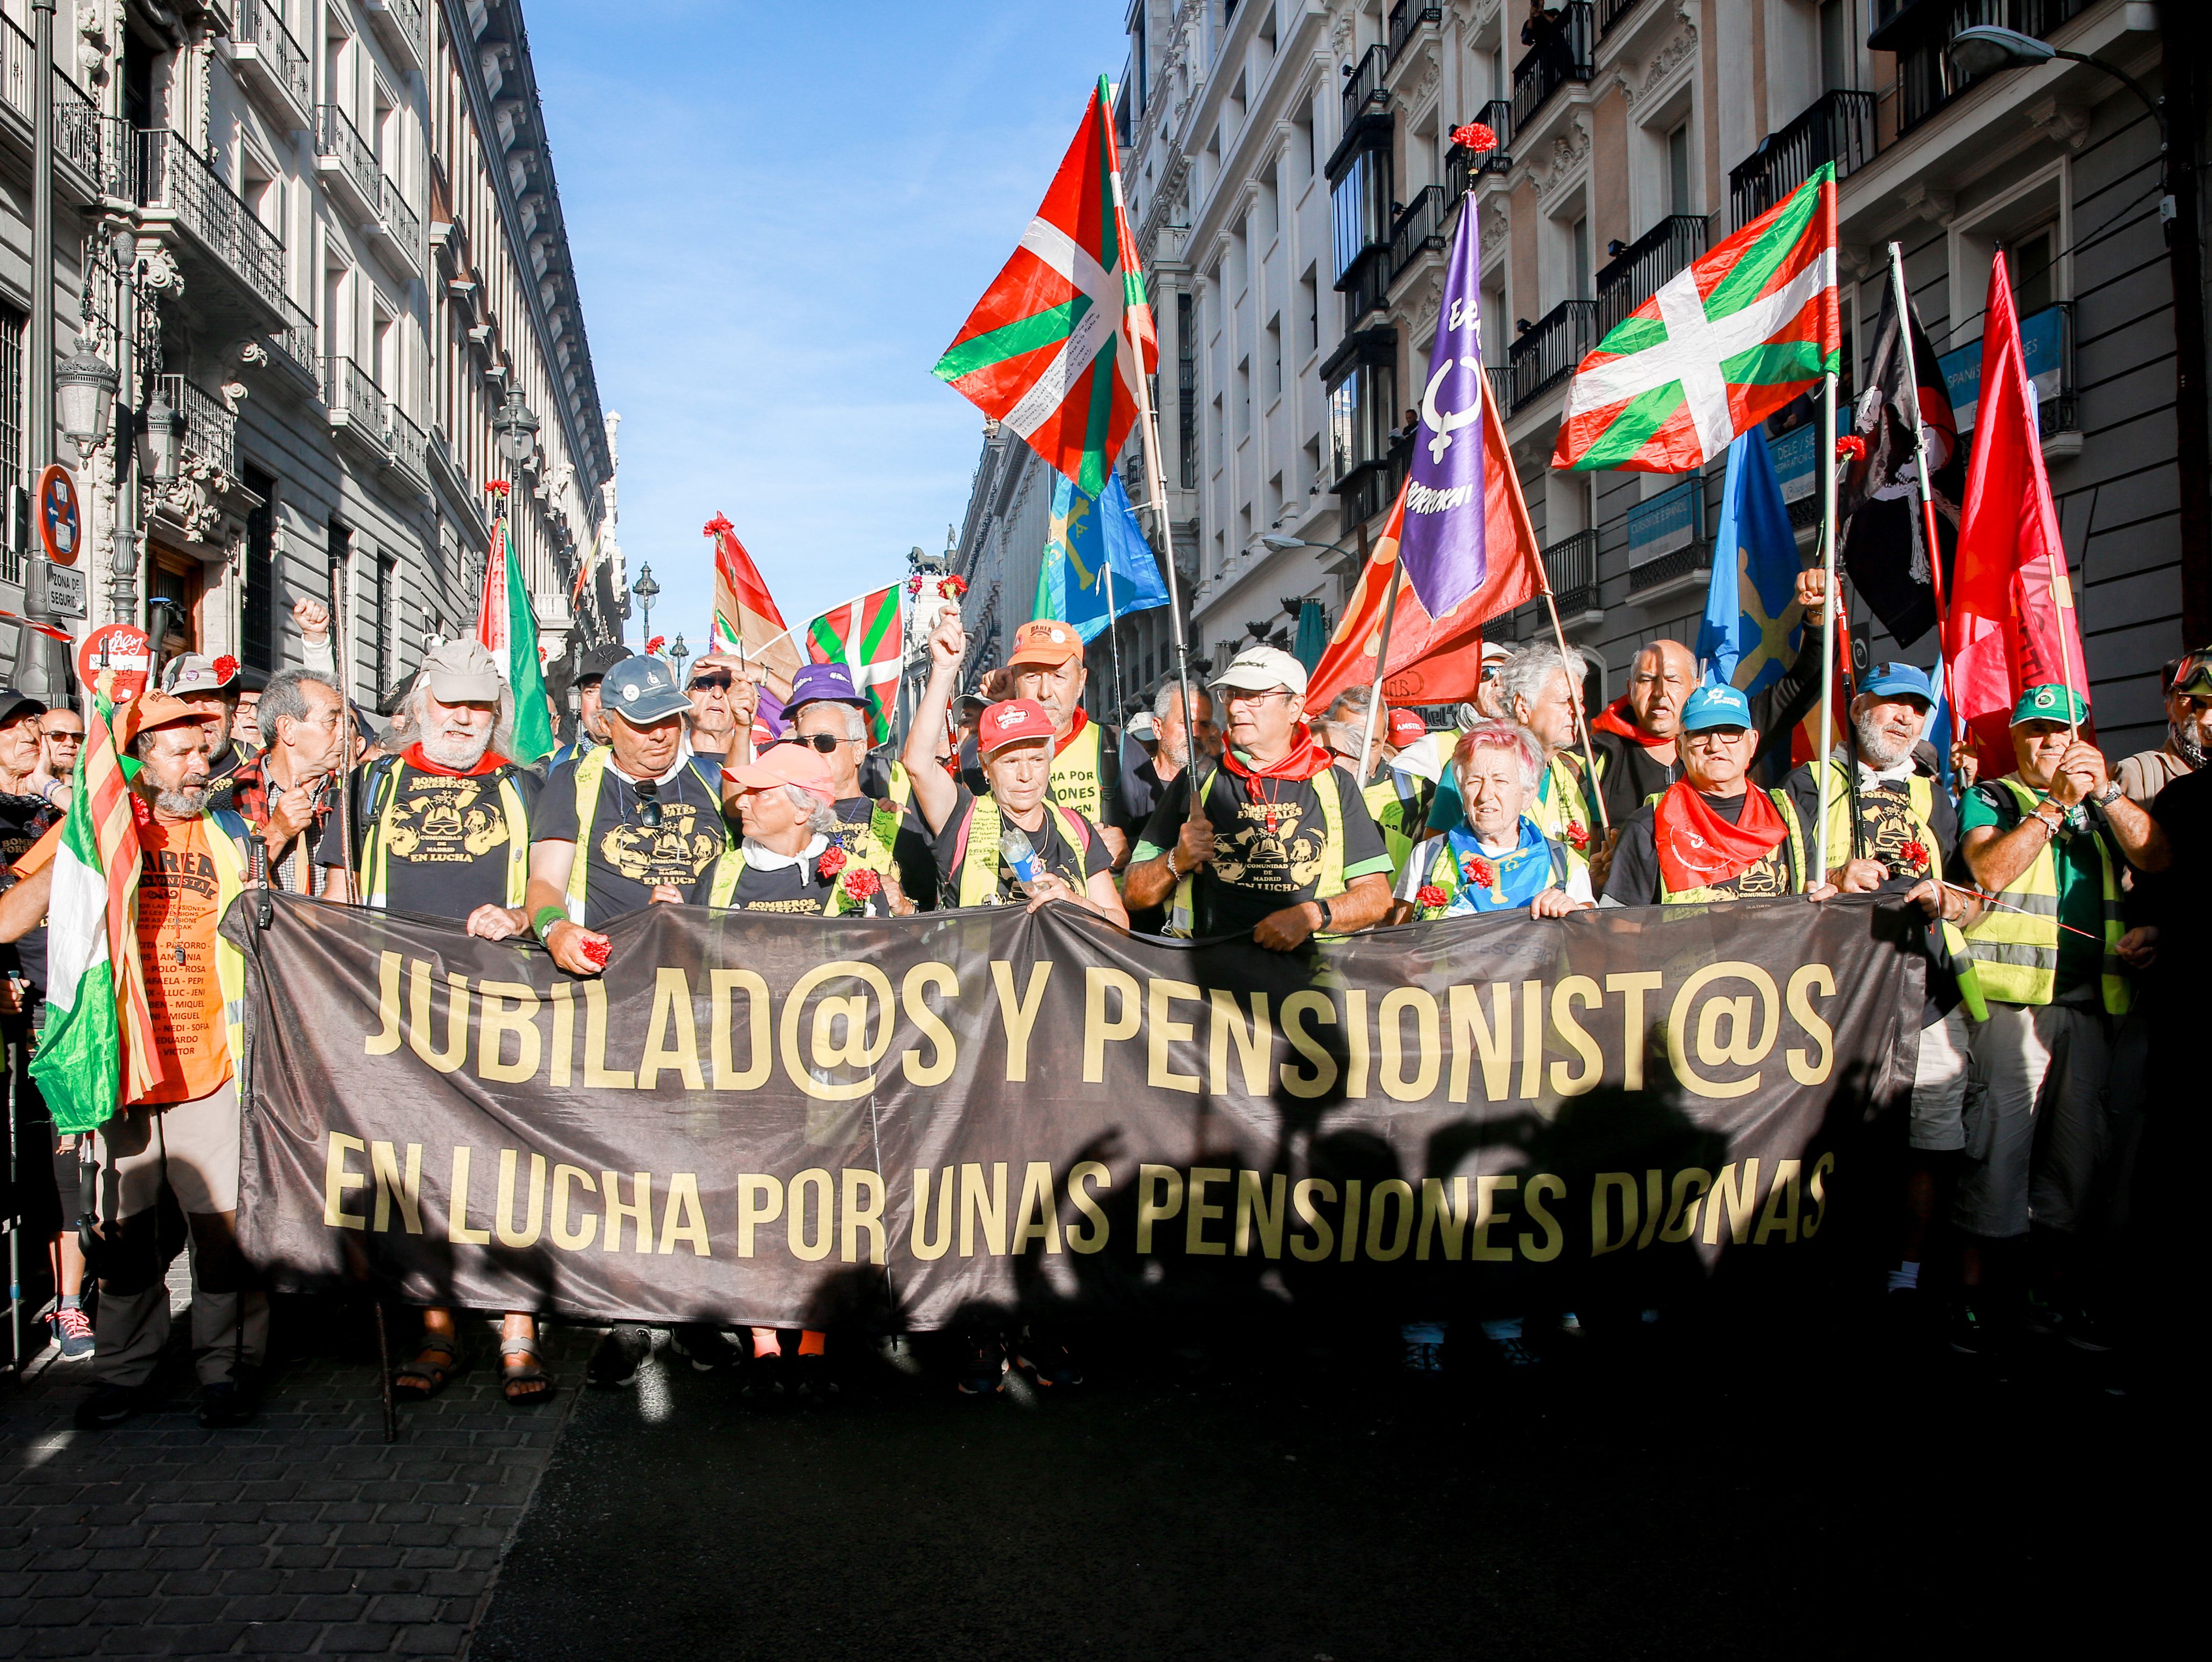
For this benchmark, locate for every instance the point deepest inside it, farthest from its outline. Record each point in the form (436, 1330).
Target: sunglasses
(648, 804)
(701, 683)
(824, 742)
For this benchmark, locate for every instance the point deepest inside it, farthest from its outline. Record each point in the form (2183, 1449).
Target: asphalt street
(1724, 1485)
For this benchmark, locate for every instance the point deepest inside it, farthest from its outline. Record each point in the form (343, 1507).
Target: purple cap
(817, 683)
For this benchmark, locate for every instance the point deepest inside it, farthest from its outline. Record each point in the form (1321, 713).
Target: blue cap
(820, 683)
(641, 691)
(1890, 680)
(1715, 707)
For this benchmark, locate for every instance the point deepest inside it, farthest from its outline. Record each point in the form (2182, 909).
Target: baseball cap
(820, 684)
(1715, 707)
(785, 764)
(148, 710)
(1495, 653)
(1890, 680)
(2049, 702)
(1407, 727)
(641, 691)
(1256, 669)
(1144, 725)
(463, 673)
(194, 671)
(1009, 722)
(14, 703)
(595, 663)
(1045, 644)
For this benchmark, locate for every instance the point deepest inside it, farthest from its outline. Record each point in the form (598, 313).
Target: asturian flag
(1098, 566)
(1753, 625)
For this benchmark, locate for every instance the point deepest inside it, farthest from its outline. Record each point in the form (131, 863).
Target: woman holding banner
(1498, 859)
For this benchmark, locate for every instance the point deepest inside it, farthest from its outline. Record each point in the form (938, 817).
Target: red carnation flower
(952, 588)
(1431, 898)
(1850, 448)
(717, 525)
(862, 883)
(914, 585)
(655, 643)
(225, 667)
(1914, 855)
(598, 951)
(496, 488)
(832, 861)
(1478, 872)
(1474, 136)
(1577, 836)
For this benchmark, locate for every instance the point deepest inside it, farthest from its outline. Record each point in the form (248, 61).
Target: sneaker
(769, 1379)
(2085, 1332)
(223, 1404)
(811, 1380)
(2044, 1319)
(72, 1332)
(1424, 1347)
(615, 1363)
(710, 1349)
(108, 1405)
(1970, 1330)
(1048, 1362)
(1513, 1353)
(983, 1368)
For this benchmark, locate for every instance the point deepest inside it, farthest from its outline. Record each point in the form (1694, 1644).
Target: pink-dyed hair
(1501, 735)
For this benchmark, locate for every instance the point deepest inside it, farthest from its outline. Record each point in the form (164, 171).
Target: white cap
(1257, 669)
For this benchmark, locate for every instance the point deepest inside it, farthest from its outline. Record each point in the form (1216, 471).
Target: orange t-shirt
(177, 918)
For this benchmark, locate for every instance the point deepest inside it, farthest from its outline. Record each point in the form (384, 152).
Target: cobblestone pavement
(301, 1533)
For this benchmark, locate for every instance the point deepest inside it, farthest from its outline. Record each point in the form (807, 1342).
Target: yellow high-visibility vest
(1180, 911)
(2016, 952)
(375, 875)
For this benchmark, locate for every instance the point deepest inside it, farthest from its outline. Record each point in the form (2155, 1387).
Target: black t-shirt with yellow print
(444, 838)
(624, 858)
(1270, 844)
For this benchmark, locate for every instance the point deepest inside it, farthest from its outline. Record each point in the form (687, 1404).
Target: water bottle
(1014, 847)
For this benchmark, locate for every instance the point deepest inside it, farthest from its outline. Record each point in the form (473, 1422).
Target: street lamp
(85, 385)
(1281, 543)
(517, 428)
(164, 439)
(645, 592)
(677, 654)
(1986, 49)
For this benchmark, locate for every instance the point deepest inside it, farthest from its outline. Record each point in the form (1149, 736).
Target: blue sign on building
(1669, 521)
(2042, 344)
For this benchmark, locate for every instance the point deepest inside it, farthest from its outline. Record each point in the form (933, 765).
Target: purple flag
(1441, 547)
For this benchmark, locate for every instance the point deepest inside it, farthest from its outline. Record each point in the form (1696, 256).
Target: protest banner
(909, 1122)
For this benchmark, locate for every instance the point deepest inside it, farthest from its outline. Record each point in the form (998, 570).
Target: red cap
(785, 764)
(1406, 727)
(1009, 722)
(1045, 644)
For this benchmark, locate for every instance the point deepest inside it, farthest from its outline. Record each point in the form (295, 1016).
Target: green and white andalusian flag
(864, 634)
(507, 624)
(1722, 345)
(1054, 347)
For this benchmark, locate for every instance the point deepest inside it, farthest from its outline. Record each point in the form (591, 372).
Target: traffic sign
(62, 594)
(60, 526)
(122, 648)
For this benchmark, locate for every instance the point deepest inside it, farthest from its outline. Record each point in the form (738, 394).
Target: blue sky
(780, 215)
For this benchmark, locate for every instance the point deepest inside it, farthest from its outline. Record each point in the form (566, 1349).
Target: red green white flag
(1054, 347)
(746, 619)
(866, 635)
(1724, 344)
(507, 625)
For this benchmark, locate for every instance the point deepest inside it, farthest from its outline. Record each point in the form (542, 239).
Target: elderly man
(714, 713)
(1398, 798)
(590, 714)
(1499, 857)
(61, 736)
(1047, 667)
(180, 1133)
(2188, 732)
(1148, 780)
(442, 829)
(2050, 840)
(1711, 835)
(829, 717)
(283, 793)
(1296, 853)
(210, 687)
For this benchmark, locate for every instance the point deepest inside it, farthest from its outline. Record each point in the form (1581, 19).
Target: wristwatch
(2113, 794)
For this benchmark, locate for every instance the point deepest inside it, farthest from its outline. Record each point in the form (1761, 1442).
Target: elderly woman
(1500, 859)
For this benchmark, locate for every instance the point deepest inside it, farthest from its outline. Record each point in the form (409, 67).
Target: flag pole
(1581, 725)
(1830, 604)
(1903, 305)
(1113, 637)
(1382, 659)
(1155, 492)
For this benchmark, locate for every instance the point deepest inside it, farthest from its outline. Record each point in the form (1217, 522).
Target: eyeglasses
(701, 683)
(1239, 696)
(1713, 738)
(824, 742)
(648, 804)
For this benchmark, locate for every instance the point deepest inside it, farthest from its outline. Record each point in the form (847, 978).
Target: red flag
(1435, 661)
(2012, 624)
(746, 620)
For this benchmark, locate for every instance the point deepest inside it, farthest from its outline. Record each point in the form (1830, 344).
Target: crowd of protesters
(2044, 888)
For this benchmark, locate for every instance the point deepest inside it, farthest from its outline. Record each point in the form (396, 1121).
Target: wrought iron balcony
(1406, 20)
(411, 447)
(356, 404)
(397, 226)
(1610, 12)
(210, 428)
(1367, 290)
(1548, 352)
(271, 62)
(1920, 34)
(1362, 88)
(1836, 127)
(1570, 568)
(1419, 228)
(1561, 57)
(1666, 545)
(295, 339)
(216, 222)
(345, 161)
(400, 23)
(1641, 268)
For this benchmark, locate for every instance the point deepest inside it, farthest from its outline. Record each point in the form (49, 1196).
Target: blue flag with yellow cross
(1753, 624)
(1084, 539)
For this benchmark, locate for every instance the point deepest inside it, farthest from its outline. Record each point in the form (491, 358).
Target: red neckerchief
(1080, 723)
(1699, 848)
(1617, 717)
(489, 762)
(1306, 759)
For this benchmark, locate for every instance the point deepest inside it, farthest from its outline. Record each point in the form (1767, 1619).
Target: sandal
(534, 1382)
(424, 1378)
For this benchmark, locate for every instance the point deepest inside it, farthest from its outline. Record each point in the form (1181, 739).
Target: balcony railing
(172, 174)
(1570, 567)
(1838, 127)
(1610, 12)
(1926, 79)
(1370, 288)
(260, 26)
(1419, 228)
(210, 431)
(1363, 89)
(400, 21)
(410, 447)
(1667, 535)
(1460, 165)
(338, 139)
(1561, 57)
(351, 395)
(1547, 351)
(1406, 20)
(296, 340)
(1639, 270)
(406, 225)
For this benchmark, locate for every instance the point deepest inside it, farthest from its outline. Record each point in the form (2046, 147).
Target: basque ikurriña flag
(867, 636)
(1441, 547)
(1053, 349)
(1724, 343)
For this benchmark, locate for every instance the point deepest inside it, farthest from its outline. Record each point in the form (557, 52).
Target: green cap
(2049, 702)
